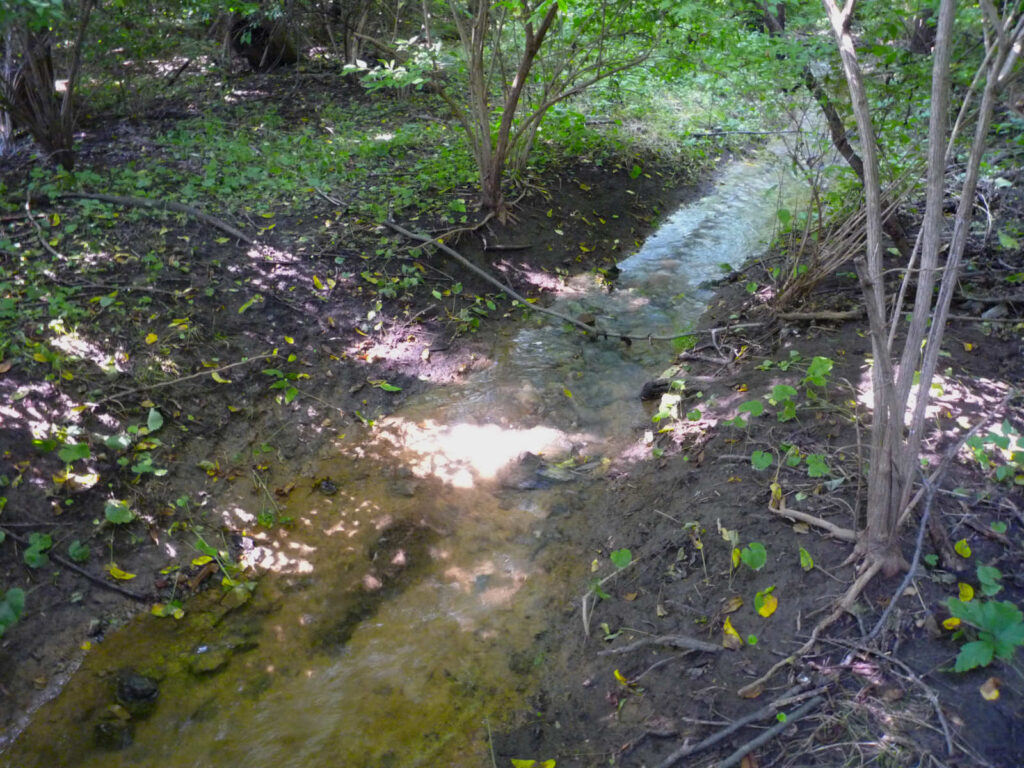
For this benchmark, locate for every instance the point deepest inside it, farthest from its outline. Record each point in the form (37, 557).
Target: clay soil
(601, 703)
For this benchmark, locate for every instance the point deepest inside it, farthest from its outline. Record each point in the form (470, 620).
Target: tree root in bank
(163, 205)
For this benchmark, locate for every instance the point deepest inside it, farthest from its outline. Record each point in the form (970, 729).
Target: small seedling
(35, 555)
(11, 608)
(761, 460)
(621, 558)
(754, 556)
(118, 512)
(78, 551)
(806, 561)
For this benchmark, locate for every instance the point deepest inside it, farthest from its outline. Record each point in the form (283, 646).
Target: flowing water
(398, 618)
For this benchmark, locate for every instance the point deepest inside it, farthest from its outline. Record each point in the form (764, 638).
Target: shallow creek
(397, 619)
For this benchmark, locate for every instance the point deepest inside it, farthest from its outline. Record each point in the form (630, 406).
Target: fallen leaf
(630, 596)
(620, 677)
(962, 548)
(152, 338)
(219, 379)
(768, 605)
(660, 611)
(5, 366)
(966, 592)
(951, 623)
(990, 689)
(117, 573)
(752, 693)
(730, 637)
(733, 604)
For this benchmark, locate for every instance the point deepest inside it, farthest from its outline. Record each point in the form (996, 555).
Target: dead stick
(670, 641)
(843, 534)
(81, 571)
(159, 384)
(688, 749)
(165, 205)
(771, 733)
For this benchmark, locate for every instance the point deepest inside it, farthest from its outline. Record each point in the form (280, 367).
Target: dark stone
(114, 734)
(136, 693)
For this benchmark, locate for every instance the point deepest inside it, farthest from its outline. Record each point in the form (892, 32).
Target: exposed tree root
(844, 605)
(843, 534)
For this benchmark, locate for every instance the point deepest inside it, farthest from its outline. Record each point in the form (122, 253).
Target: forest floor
(157, 374)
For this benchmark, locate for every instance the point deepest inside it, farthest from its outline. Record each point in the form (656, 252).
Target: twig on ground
(97, 580)
(851, 314)
(157, 385)
(769, 710)
(163, 205)
(771, 733)
(670, 641)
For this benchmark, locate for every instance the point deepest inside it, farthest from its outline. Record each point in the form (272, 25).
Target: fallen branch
(843, 534)
(522, 300)
(771, 733)
(97, 580)
(196, 375)
(769, 710)
(850, 314)
(163, 205)
(669, 641)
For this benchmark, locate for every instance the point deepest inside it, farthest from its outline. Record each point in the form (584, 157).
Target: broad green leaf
(73, 452)
(118, 512)
(78, 551)
(754, 555)
(974, 654)
(761, 460)
(621, 558)
(155, 420)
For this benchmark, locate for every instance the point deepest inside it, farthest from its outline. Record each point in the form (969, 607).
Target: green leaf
(816, 465)
(74, 451)
(1008, 242)
(754, 556)
(78, 551)
(761, 460)
(119, 442)
(118, 512)
(806, 561)
(818, 371)
(974, 654)
(753, 407)
(621, 558)
(289, 394)
(155, 420)
(390, 387)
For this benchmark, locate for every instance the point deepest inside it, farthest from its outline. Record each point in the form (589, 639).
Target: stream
(397, 619)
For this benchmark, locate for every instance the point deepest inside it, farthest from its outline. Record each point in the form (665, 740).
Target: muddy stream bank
(396, 620)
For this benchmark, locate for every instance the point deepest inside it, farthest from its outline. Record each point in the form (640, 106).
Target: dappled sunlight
(465, 454)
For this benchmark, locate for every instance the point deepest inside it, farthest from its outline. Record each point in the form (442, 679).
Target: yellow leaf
(289, 339)
(951, 623)
(733, 604)
(990, 689)
(318, 283)
(566, 392)
(67, 375)
(741, 388)
(967, 348)
(331, 282)
(966, 592)
(532, 764)
(152, 338)
(735, 557)
(234, 409)
(39, 357)
(620, 677)
(86, 646)
(158, 609)
(768, 605)
(219, 379)
(595, 566)
(730, 637)
(630, 596)
(584, 187)
(734, 479)
(962, 548)
(117, 573)
(202, 560)
(267, 215)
